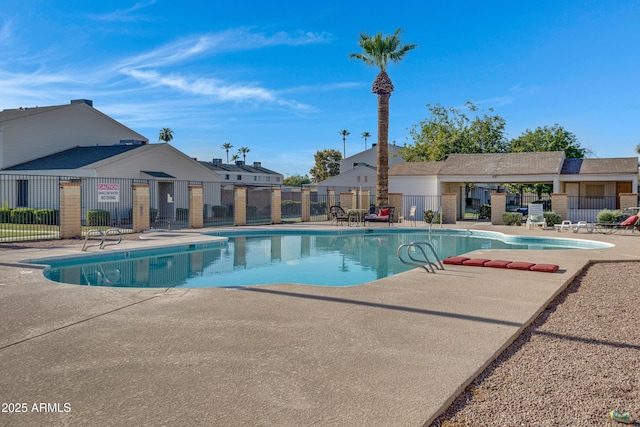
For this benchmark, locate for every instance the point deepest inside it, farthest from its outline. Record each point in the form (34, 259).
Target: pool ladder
(103, 236)
(420, 248)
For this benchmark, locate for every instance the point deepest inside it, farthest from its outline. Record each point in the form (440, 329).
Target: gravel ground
(579, 360)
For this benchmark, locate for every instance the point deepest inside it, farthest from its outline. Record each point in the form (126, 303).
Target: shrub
(431, 216)
(220, 211)
(22, 216)
(512, 218)
(318, 208)
(291, 207)
(182, 214)
(485, 212)
(552, 218)
(5, 214)
(46, 216)
(607, 215)
(98, 217)
(153, 214)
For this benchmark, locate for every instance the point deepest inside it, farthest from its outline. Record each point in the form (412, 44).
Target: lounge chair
(338, 215)
(583, 224)
(632, 224)
(565, 226)
(536, 215)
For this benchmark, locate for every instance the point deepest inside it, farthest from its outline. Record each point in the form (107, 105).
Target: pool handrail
(425, 262)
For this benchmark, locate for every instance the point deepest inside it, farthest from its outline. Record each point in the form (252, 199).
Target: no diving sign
(108, 193)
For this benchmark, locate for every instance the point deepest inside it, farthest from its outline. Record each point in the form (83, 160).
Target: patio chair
(412, 215)
(536, 215)
(632, 224)
(566, 225)
(338, 215)
(582, 224)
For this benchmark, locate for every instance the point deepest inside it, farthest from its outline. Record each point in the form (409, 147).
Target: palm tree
(166, 135)
(344, 134)
(226, 146)
(244, 151)
(366, 135)
(638, 148)
(235, 158)
(378, 50)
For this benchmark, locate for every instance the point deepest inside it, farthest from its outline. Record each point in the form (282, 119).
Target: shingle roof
(614, 165)
(74, 158)
(415, 168)
(538, 163)
(223, 167)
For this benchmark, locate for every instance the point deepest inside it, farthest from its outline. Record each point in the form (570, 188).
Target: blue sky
(275, 76)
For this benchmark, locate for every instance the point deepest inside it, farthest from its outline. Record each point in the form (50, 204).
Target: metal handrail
(90, 232)
(425, 262)
(111, 231)
(434, 217)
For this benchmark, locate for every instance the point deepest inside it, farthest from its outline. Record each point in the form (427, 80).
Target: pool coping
(413, 341)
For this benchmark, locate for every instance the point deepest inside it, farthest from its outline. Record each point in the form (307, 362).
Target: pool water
(311, 259)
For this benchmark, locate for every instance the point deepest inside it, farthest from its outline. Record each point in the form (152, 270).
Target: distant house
(239, 173)
(76, 140)
(591, 182)
(359, 171)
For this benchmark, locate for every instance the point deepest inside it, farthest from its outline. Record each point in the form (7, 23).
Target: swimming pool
(324, 258)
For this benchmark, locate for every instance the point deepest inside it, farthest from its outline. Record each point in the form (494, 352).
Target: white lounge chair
(535, 216)
(583, 224)
(565, 226)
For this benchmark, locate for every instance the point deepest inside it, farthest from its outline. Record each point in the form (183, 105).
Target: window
(358, 178)
(226, 177)
(255, 178)
(365, 178)
(239, 178)
(23, 193)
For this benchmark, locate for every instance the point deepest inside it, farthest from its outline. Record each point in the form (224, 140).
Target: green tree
(235, 158)
(378, 51)
(327, 164)
(549, 138)
(638, 148)
(244, 151)
(344, 134)
(450, 131)
(166, 135)
(227, 146)
(365, 136)
(297, 180)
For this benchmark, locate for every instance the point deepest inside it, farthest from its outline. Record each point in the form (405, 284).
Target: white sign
(108, 193)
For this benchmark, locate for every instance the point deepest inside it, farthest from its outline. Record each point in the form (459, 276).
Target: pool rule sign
(108, 193)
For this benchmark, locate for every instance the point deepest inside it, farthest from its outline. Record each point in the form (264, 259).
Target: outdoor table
(357, 216)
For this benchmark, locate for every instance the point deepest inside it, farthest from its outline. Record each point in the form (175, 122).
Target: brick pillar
(276, 205)
(395, 200)
(498, 207)
(306, 204)
(363, 202)
(628, 200)
(140, 211)
(331, 201)
(196, 206)
(240, 206)
(560, 204)
(449, 208)
(70, 210)
(346, 201)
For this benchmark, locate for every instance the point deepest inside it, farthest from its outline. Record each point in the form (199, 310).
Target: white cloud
(123, 15)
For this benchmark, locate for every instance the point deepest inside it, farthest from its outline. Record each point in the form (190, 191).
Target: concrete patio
(394, 351)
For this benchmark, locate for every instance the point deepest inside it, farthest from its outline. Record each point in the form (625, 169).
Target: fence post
(346, 201)
(140, 212)
(306, 204)
(331, 201)
(498, 207)
(276, 205)
(240, 203)
(628, 200)
(449, 208)
(395, 200)
(70, 210)
(560, 204)
(365, 196)
(196, 205)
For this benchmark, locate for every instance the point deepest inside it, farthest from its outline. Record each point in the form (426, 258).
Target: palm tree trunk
(382, 181)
